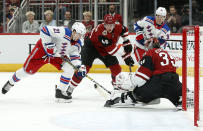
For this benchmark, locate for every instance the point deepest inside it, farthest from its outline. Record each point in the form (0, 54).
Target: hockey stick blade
(101, 91)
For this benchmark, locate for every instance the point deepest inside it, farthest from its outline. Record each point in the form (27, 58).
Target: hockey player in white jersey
(148, 28)
(54, 43)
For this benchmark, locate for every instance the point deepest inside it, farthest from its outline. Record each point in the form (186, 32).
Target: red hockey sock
(115, 70)
(77, 79)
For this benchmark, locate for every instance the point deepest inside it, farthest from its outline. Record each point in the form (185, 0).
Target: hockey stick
(96, 83)
(130, 68)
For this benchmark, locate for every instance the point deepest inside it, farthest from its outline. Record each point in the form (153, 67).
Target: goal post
(192, 34)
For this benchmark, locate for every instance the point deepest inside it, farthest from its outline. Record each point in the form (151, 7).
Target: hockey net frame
(196, 69)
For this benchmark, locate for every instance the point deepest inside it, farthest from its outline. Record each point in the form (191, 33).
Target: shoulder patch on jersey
(165, 28)
(137, 27)
(45, 30)
(68, 33)
(150, 19)
(67, 37)
(146, 62)
(124, 30)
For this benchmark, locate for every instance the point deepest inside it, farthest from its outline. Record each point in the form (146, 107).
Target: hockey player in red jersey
(155, 78)
(54, 43)
(102, 44)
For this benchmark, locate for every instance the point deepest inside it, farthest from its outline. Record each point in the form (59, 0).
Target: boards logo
(171, 45)
(30, 47)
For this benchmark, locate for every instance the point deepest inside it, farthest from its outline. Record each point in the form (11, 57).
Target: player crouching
(155, 78)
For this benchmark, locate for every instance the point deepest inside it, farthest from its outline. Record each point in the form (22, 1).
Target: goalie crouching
(155, 78)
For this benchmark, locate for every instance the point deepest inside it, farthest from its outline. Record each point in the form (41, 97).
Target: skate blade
(60, 100)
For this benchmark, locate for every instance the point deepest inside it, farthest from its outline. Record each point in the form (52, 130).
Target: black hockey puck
(95, 86)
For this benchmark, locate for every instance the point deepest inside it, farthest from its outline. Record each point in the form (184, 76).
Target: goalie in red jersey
(155, 78)
(102, 43)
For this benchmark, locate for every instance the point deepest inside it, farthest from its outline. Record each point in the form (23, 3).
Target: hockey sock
(115, 70)
(18, 75)
(64, 81)
(77, 79)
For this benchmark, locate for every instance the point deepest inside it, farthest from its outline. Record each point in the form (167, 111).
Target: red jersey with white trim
(155, 61)
(106, 43)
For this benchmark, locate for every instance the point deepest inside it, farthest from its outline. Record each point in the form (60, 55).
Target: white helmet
(161, 11)
(79, 28)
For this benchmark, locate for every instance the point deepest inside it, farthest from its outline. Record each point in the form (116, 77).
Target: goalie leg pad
(119, 99)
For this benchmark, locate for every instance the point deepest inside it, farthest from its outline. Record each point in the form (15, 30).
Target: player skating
(54, 43)
(102, 44)
(148, 28)
(155, 78)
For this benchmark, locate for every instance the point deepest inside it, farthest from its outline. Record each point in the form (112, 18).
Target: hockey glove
(128, 59)
(140, 37)
(81, 71)
(50, 49)
(127, 46)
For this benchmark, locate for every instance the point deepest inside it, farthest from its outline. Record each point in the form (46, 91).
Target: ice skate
(63, 96)
(6, 87)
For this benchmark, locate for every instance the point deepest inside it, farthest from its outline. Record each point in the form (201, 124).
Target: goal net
(192, 72)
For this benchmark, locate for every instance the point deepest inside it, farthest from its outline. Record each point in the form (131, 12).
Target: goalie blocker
(155, 78)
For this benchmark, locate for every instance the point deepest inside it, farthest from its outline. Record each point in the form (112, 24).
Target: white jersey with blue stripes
(151, 30)
(60, 37)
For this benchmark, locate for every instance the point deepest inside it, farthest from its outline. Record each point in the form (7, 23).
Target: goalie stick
(96, 85)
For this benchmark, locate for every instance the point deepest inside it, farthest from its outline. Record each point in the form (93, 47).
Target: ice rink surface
(31, 106)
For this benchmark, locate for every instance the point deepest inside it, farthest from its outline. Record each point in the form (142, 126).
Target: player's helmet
(79, 28)
(108, 19)
(161, 11)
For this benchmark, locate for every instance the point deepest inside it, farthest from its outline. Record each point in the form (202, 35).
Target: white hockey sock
(64, 82)
(18, 75)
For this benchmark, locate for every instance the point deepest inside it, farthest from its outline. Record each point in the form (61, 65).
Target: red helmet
(108, 19)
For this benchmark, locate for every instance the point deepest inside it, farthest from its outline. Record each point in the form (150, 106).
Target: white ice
(30, 106)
